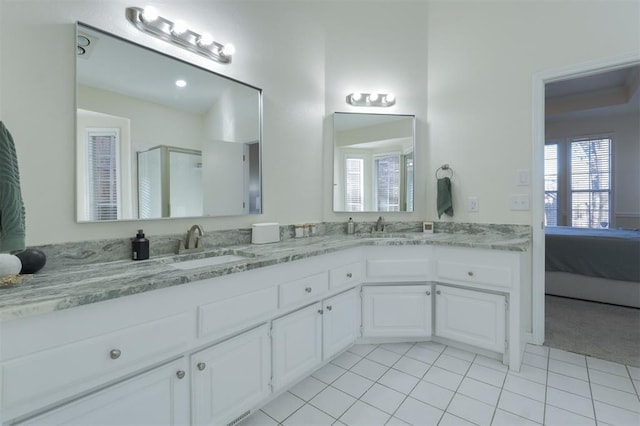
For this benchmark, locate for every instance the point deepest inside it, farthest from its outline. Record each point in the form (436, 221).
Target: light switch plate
(523, 177)
(474, 204)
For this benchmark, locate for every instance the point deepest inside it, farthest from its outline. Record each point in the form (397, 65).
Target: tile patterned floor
(432, 384)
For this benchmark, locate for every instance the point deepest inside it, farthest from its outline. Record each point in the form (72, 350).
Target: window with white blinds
(551, 185)
(408, 167)
(102, 174)
(578, 182)
(590, 182)
(387, 182)
(354, 181)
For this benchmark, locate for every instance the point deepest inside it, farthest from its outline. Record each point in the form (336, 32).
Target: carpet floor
(596, 329)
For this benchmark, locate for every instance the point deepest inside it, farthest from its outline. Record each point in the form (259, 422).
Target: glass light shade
(205, 39)
(228, 49)
(179, 27)
(150, 14)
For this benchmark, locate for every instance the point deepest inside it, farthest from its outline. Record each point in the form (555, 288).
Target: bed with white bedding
(593, 264)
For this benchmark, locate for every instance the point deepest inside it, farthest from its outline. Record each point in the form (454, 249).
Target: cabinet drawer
(398, 268)
(345, 275)
(473, 272)
(303, 289)
(45, 377)
(228, 315)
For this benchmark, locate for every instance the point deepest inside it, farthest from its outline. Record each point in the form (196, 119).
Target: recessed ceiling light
(181, 83)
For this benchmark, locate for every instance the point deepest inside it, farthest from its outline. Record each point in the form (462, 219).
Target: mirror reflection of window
(102, 198)
(387, 182)
(354, 188)
(373, 162)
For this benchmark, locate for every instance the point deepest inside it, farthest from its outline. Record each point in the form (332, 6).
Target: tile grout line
(419, 380)
(546, 387)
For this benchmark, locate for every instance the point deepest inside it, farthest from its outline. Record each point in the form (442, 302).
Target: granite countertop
(63, 288)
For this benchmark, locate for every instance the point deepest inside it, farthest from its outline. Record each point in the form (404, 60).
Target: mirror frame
(258, 90)
(333, 157)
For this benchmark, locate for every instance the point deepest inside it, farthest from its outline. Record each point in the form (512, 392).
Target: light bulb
(373, 97)
(181, 83)
(390, 98)
(355, 97)
(205, 39)
(228, 49)
(149, 14)
(179, 27)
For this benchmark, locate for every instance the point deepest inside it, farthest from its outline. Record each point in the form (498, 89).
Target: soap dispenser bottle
(351, 227)
(140, 246)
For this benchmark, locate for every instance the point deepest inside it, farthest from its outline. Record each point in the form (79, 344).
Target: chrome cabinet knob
(329, 308)
(349, 275)
(428, 293)
(201, 366)
(438, 292)
(308, 289)
(470, 273)
(180, 374)
(115, 353)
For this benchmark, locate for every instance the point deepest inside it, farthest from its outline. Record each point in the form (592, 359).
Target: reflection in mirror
(150, 146)
(373, 162)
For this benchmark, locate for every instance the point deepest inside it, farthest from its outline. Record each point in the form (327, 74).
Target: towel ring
(444, 168)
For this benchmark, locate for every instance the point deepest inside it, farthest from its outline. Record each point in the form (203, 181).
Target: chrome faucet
(193, 241)
(379, 226)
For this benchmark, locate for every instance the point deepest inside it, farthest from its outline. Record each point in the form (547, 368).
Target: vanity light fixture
(371, 99)
(147, 20)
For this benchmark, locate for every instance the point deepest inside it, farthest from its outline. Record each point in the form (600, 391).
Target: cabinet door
(340, 322)
(158, 397)
(231, 377)
(396, 311)
(297, 344)
(471, 317)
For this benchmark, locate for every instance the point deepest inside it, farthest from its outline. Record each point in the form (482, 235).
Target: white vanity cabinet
(471, 317)
(303, 339)
(340, 322)
(158, 397)
(297, 344)
(396, 311)
(231, 377)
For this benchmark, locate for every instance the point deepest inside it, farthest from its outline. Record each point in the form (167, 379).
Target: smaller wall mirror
(373, 162)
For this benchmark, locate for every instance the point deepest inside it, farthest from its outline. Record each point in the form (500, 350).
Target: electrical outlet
(473, 204)
(523, 177)
(519, 202)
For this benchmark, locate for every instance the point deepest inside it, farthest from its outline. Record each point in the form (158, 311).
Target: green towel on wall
(444, 202)
(12, 215)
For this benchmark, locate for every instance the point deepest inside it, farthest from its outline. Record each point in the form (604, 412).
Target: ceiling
(609, 92)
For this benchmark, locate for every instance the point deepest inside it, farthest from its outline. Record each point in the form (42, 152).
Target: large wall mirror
(161, 138)
(373, 162)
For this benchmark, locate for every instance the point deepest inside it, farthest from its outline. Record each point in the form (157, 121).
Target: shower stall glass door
(169, 182)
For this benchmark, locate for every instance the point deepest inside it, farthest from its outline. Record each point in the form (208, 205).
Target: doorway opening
(566, 79)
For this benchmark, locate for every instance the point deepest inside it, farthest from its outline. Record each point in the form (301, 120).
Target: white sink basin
(207, 261)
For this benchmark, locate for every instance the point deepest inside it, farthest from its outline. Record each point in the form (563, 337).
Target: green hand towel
(444, 202)
(12, 215)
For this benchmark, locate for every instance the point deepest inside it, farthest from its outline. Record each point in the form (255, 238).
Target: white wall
(482, 55)
(625, 129)
(277, 50)
(470, 62)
